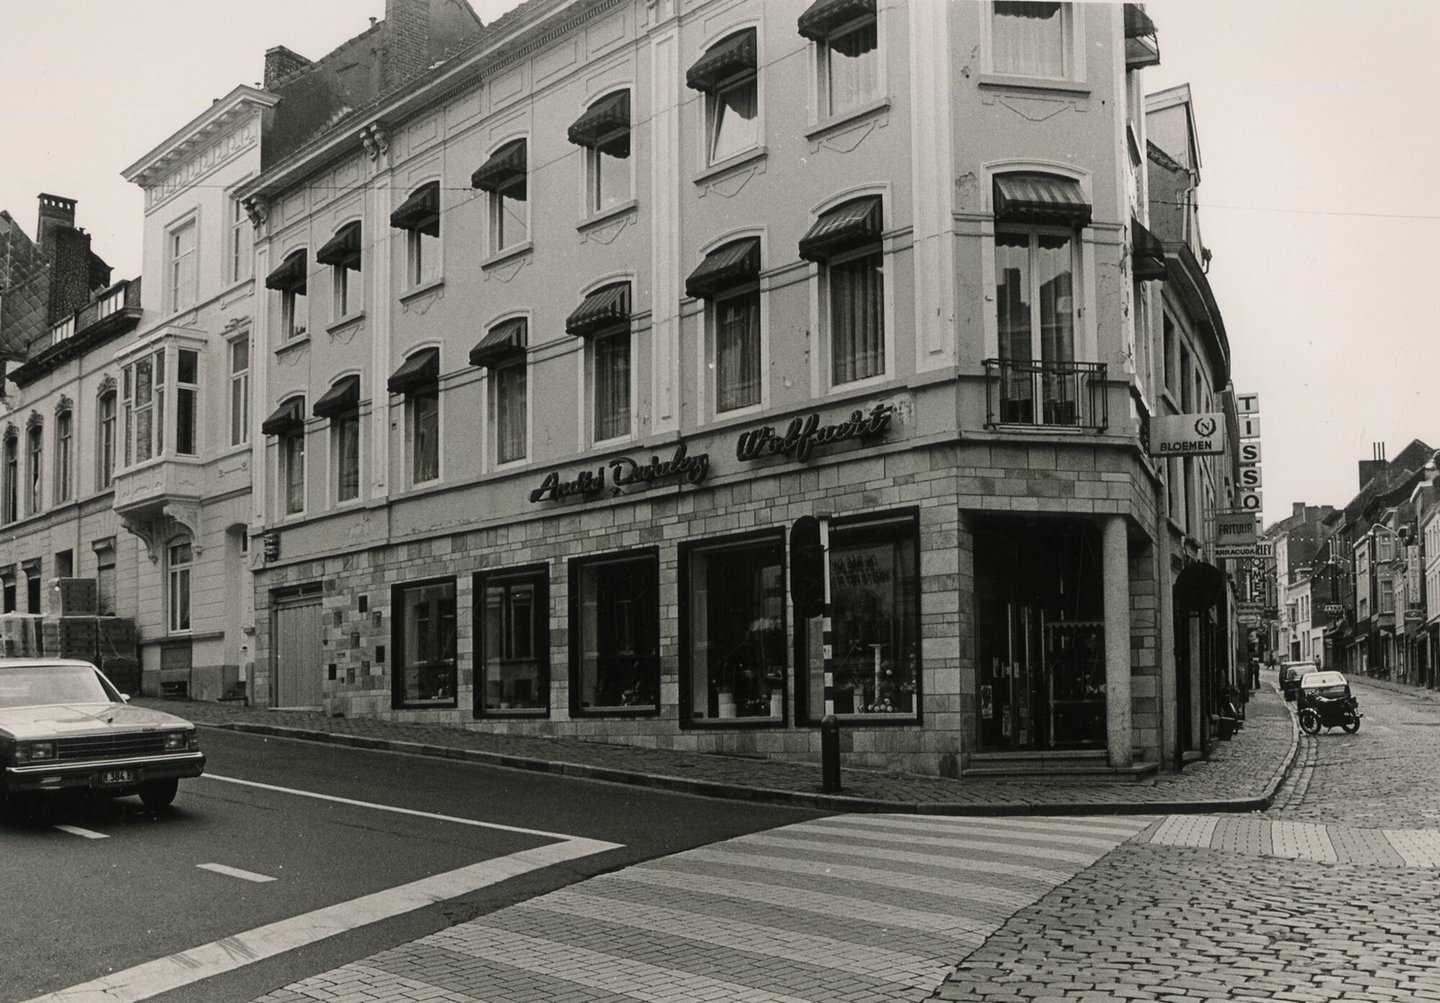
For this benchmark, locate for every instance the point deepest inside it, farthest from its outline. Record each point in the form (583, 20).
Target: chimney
(407, 41)
(55, 211)
(1377, 462)
(1297, 509)
(280, 62)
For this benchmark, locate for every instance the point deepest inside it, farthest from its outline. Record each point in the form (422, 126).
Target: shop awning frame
(730, 56)
(730, 265)
(606, 307)
(1040, 199)
(501, 344)
(851, 224)
(343, 396)
(507, 164)
(291, 274)
(605, 125)
(286, 419)
(418, 370)
(1147, 253)
(342, 250)
(824, 16)
(421, 211)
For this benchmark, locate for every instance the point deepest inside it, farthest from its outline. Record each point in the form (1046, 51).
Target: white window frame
(294, 326)
(614, 332)
(178, 612)
(591, 168)
(64, 454)
(412, 433)
(712, 348)
(182, 267)
(239, 254)
(35, 469)
(492, 384)
(1072, 46)
(193, 389)
(350, 416)
(107, 430)
(500, 242)
(238, 389)
(824, 104)
(291, 449)
(424, 264)
(714, 105)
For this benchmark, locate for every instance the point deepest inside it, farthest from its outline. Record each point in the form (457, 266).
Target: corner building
(561, 340)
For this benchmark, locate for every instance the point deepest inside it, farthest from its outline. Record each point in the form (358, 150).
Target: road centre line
(236, 872)
(229, 953)
(75, 830)
(390, 808)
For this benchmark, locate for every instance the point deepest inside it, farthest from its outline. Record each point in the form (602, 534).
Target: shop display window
(512, 618)
(424, 627)
(733, 631)
(614, 634)
(875, 621)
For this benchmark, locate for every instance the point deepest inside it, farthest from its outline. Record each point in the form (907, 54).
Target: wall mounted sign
(804, 434)
(624, 472)
(1187, 434)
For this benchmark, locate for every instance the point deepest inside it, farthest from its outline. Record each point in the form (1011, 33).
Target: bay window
(615, 634)
(159, 405)
(512, 651)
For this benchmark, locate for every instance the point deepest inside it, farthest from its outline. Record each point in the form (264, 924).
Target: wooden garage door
(299, 665)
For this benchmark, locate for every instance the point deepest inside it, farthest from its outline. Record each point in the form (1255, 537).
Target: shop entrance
(1040, 635)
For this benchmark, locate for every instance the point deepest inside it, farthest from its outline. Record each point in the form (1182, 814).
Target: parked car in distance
(1290, 675)
(64, 726)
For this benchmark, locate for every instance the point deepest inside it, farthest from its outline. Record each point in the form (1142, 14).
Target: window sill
(422, 289)
(824, 127)
(1006, 81)
(293, 344)
(735, 163)
(508, 254)
(345, 322)
(604, 216)
(860, 385)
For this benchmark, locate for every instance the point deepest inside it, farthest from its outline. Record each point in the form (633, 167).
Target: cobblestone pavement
(853, 908)
(1241, 774)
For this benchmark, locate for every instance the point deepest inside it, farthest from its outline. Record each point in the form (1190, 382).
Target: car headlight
(181, 741)
(34, 752)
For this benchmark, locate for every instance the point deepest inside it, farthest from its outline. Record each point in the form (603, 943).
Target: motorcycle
(1330, 712)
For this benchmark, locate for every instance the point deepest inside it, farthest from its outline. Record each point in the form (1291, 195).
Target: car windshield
(1322, 680)
(37, 685)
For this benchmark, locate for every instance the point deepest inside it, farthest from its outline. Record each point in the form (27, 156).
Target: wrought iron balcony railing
(1046, 394)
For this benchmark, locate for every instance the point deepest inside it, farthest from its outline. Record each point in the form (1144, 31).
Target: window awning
(501, 343)
(419, 369)
(1137, 23)
(824, 16)
(736, 262)
(1027, 8)
(343, 249)
(421, 211)
(289, 417)
(290, 276)
(859, 221)
(505, 165)
(1040, 198)
(605, 126)
(1148, 253)
(343, 396)
(725, 58)
(606, 306)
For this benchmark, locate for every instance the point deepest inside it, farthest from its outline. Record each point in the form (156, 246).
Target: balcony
(159, 498)
(1046, 395)
(113, 312)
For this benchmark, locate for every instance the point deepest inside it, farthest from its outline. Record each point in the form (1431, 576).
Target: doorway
(299, 658)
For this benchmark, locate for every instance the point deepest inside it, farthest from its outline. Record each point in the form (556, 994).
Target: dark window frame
(398, 700)
(537, 574)
(575, 568)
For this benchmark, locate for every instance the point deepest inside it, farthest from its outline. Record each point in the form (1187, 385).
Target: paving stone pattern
(846, 909)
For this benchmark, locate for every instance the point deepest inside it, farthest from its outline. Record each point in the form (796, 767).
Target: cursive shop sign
(802, 435)
(624, 472)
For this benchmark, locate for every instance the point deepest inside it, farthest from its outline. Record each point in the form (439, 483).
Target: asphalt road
(282, 843)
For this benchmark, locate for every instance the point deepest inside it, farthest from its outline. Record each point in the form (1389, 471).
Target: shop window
(614, 634)
(505, 180)
(177, 567)
(847, 49)
(727, 75)
(240, 391)
(64, 452)
(729, 281)
(424, 644)
(290, 280)
(419, 217)
(342, 253)
(512, 618)
(1030, 38)
(603, 131)
(105, 438)
(733, 631)
(845, 243)
(875, 617)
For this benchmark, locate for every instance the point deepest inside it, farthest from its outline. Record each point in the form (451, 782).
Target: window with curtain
(424, 409)
(610, 355)
(735, 319)
(734, 117)
(1028, 37)
(177, 564)
(105, 440)
(240, 391)
(1035, 323)
(508, 388)
(292, 471)
(64, 442)
(857, 315)
(345, 440)
(35, 448)
(10, 509)
(850, 65)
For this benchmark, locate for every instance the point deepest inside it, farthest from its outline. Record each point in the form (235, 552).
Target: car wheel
(157, 794)
(1310, 721)
(1351, 725)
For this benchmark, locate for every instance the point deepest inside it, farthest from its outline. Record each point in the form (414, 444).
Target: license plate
(117, 777)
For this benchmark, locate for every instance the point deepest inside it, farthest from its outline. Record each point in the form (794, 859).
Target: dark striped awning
(1040, 198)
(859, 221)
(505, 165)
(419, 369)
(1148, 253)
(736, 262)
(343, 395)
(824, 16)
(501, 343)
(290, 276)
(343, 249)
(1137, 23)
(605, 126)
(289, 417)
(606, 306)
(421, 211)
(725, 58)
(1027, 8)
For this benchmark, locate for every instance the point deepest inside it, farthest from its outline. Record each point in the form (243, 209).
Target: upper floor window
(418, 378)
(144, 394)
(178, 556)
(342, 253)
(341, 405)
(845, 243)
(502, 352)
(290, 281)
(603, 132)
(64, 444)
(239, 351)
(729, 282)
(727, 75)
(105, 439)
(10, 476)
(419, 217)
(181, 273)
(35, 453)
(1030, 38)
(287, 424)
(504, 177)
(847, 40)
(239, 243)
(603, 320)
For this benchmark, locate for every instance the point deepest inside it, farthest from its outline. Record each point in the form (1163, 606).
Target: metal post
(830, 726)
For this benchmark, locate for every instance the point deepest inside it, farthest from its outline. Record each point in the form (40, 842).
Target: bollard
(830, 754)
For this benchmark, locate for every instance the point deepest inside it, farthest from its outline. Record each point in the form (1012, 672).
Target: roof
(222, 114)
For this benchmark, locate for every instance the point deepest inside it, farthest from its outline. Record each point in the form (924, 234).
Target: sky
(1318, 140)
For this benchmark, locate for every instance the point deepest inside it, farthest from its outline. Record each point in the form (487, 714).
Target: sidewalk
(1241, 775)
